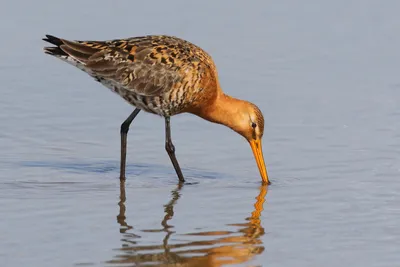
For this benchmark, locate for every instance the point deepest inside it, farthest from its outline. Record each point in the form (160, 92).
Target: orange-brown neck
(225, 110)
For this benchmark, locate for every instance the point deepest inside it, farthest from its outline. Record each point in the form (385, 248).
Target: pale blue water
(326, 76)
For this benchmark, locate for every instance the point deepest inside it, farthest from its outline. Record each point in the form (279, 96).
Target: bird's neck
(225, 110)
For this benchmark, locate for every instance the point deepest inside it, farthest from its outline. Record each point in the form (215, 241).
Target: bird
(163, 75)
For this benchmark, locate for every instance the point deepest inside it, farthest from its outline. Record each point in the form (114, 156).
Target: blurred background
(324, 73)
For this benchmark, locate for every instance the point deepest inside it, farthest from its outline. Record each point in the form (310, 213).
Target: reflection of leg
(121, 219)
(136, 251)
(171, 149)
(124, 132)
(169, 208)
(169, 213)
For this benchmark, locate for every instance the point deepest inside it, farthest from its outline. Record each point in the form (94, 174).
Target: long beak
(258, 155)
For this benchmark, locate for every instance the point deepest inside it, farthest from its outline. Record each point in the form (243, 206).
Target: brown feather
(148, 66)
(73, 53)
(80, 47)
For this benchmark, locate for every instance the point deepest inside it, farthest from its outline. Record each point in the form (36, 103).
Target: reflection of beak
(258, 155)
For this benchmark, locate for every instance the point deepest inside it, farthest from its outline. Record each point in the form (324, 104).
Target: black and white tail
(68, 51)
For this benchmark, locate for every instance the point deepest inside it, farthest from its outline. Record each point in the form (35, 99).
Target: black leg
(124, 133)
(171, 150)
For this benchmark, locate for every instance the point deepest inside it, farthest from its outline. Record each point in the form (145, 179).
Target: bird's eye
(254, 125)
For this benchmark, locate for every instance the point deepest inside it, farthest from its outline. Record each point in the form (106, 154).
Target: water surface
(325, 74)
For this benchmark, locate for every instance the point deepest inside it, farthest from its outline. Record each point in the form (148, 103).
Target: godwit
(163, 75)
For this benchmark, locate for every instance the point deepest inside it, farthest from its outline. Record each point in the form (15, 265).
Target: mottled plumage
(159, 74)
(163, 75)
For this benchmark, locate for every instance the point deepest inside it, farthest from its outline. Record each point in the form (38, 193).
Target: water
(325, 74)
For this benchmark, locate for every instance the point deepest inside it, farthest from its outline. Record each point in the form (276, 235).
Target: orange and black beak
(258, 155)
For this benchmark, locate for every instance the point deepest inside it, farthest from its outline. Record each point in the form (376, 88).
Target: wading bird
(163, 75)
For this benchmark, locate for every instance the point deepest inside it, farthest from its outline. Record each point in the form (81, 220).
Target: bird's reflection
(232, 248)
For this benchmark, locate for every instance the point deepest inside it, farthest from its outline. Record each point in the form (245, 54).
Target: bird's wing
(134, 68)
(144, 78)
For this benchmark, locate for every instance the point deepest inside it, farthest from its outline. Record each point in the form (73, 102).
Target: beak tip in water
(258, 155)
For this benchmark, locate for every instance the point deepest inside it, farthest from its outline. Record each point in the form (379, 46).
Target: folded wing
(132, 69)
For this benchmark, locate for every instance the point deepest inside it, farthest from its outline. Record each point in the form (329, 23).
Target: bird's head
(251, 127)
(243, 117)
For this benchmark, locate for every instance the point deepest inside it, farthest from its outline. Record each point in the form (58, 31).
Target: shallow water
(325, 74)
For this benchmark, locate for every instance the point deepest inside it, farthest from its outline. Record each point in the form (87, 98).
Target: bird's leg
(171, 149)
(124, 132)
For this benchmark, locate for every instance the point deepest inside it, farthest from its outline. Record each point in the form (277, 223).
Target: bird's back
(161, 74)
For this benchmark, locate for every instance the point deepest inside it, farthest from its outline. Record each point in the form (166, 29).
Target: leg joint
(169, 147)
(125, 127)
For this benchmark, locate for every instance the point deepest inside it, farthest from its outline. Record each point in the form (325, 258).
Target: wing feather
(137, 64)
(139, 77)
(143, 77)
